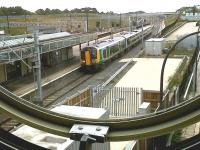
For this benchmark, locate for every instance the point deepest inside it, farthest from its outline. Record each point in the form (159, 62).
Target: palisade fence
(81, 98)
(120, 101)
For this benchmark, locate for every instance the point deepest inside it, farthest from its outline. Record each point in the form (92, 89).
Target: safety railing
(26, 51)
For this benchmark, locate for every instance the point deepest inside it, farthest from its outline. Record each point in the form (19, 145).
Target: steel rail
(149, 125)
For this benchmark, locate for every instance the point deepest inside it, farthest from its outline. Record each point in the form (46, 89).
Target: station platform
(23, 85)
(26, 84)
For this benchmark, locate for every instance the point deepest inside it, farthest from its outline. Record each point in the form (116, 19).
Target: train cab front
(90, 58)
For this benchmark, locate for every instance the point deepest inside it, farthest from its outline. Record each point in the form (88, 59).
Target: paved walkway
(26, 84)
(184, 30)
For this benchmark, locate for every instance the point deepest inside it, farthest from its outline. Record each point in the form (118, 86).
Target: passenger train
(96, 55)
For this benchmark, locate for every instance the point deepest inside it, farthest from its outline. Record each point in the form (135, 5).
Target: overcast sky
(118, 6)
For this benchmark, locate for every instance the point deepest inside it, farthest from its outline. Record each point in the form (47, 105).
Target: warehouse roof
(25, 40)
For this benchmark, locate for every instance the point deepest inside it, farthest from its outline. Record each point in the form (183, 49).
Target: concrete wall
(2, 73)
(67, 53)
(70, 52)
(64, 54)
(46, 59)
(153, 98)
(9, 71)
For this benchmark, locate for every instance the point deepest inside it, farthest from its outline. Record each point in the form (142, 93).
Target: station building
(17, 56)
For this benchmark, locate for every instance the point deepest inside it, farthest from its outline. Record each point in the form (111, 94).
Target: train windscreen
(93, 52)
(82, 54)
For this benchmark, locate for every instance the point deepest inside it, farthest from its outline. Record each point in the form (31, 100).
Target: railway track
(9, 124)
(77, 83)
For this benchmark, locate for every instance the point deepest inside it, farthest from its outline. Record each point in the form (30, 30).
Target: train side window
(116, 47)
(107, 51)
(111, 51)
(93, 53)
(104, 53)
(124, 44)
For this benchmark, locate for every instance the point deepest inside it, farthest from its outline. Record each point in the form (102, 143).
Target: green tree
(47, 11)
(194, 9)
(13, 11)
(66, 11)
(40, 12)
(56, 11)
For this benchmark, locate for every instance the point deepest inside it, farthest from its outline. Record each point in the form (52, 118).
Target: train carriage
(95, 56)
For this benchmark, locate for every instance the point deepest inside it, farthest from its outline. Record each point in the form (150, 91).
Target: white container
(154, 46)
(2, 32)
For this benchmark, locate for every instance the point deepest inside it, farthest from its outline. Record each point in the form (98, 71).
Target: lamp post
(70, 17)
(100, 22)
(25, 20)
(87, 21)
(108, 17)
(86, 13)
(136, 18)
(142, 34)
(142, 21)
(120, 19)
(38, 98)
(8, 24)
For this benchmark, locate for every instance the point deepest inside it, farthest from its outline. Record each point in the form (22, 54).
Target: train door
(87, 57)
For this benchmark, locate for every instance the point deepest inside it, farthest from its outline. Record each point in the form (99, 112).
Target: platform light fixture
(142, 21)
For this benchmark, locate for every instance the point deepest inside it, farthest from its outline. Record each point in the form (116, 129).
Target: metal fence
(81, 98)
(120, 101)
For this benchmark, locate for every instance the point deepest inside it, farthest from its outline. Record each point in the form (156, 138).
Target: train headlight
(83, 61)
